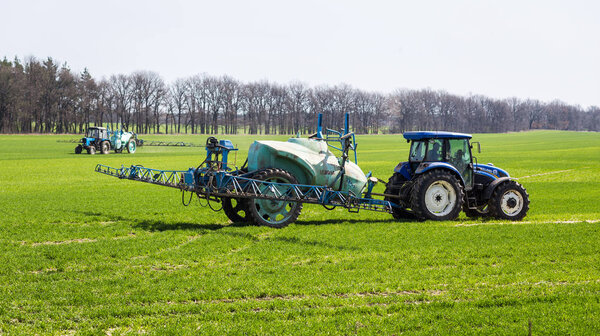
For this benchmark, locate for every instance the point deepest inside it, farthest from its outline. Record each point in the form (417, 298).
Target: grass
(83, 253)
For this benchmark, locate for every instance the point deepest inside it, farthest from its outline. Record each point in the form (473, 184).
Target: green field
(83, 252)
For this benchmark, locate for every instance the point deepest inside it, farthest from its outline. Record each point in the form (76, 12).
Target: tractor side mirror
(478, 146)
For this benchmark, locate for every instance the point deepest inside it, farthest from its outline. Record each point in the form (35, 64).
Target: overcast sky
(529, 49)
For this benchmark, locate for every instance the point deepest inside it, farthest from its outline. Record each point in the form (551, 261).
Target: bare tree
(148, 89)
(121, 88)
(231, 100)
(177, 96)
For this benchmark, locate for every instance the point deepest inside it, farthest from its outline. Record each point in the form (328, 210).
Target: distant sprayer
(103, 140)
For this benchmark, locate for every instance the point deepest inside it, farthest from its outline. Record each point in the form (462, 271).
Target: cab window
(435, 150)
(417, 151)
(459, 154)
(93, 133)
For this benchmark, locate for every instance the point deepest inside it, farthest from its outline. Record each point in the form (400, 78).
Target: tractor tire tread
(393, 188)
(494, 204)
(105, 147)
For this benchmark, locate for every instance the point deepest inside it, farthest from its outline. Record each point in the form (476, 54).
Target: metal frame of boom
(207, 183)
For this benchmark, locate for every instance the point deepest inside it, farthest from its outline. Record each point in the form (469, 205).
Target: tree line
(48, 97)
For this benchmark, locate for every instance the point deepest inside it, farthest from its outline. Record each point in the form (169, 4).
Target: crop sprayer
(103, 139)
(438, 181)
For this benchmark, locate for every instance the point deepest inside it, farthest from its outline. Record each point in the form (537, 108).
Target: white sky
(530, 49)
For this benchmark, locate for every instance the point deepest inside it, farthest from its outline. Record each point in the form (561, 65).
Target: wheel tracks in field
(587, 221)
(299, 298)
(549, 173)
(404, 293)
(171, 248)
(538, 284)
(162, 267)
(339, 300)
(253, 240)
(59, 242)
(72, 241)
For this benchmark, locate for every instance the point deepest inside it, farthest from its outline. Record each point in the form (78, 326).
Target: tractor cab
(97, 133)
(449, 150)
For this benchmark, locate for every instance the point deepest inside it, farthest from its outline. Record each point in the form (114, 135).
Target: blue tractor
(441, 178)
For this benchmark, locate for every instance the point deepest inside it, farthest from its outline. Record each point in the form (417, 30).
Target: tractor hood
(491, 169)
(309, 160)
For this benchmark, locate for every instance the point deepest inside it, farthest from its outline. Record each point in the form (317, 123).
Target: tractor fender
(404, 169)
(427, 166)
(487, 192)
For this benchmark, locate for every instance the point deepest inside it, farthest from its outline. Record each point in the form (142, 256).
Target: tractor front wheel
(78, 149)
(437, 195)
(509, 201)
(131, 147)
(236, 209)
(104, 147)
(270, 212)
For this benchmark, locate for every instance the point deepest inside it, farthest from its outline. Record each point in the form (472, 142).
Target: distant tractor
(440, 178)
(103, 140)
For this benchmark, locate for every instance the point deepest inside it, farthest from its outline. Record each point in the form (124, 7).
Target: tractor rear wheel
(91, 150)
(104, 147)
(236, 209)
(436, 195)
(272, 213)
(78, 149)
(131, 146)
(393, 187)
(509, 201)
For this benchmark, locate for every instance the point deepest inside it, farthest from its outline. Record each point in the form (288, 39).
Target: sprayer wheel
(272, 213)
(236, 209)
(131, 146)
